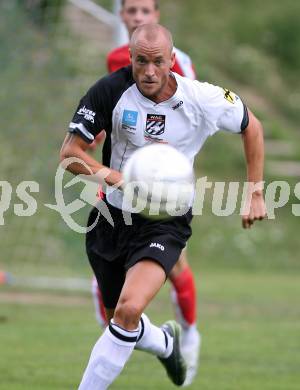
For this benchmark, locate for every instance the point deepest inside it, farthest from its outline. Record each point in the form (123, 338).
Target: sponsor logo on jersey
(179, 104)
(230, 96)
(129, 120)
(158, 246)
(89, 115)
(155, 126)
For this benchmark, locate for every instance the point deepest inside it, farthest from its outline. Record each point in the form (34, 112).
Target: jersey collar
(167, 102)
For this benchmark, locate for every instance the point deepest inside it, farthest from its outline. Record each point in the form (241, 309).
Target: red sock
(184, 286)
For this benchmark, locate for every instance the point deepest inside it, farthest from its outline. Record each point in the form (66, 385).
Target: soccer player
(131, 271)
(135, 13)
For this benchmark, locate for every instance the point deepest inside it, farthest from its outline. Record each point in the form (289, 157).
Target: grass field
(250, 337)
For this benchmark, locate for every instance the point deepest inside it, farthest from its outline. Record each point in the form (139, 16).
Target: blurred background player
(4, 277)
(135, 13)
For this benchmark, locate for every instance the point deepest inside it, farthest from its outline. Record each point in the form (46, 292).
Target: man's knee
(128, 313)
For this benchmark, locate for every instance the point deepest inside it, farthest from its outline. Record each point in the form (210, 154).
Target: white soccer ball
(158, 181)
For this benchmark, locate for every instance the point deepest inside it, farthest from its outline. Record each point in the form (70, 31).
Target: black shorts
(113, 250)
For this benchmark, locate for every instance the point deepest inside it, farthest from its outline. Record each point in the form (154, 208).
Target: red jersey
(119, 57)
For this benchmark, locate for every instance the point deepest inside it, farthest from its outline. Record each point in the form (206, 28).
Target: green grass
(250, 331)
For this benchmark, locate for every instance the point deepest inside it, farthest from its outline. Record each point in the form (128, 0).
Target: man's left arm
(254, 153)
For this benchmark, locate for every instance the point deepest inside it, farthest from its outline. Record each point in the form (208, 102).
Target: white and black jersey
(196, 111)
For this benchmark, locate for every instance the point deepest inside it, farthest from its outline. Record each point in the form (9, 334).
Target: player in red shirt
(135, 13)
(119, 57)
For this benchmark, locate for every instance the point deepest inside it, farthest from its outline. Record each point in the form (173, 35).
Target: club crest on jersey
(129, 120)
(155, 126)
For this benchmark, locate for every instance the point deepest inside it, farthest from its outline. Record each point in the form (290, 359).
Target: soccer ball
(159, 181)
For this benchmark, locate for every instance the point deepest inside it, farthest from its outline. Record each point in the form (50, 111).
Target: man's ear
(157, 14)
(173, 59)
(130, 54)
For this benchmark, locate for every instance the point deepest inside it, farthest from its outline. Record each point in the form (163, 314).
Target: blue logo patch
(129, 118)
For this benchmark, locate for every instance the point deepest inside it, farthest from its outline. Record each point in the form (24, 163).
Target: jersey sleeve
(221, 109)
(93, 113)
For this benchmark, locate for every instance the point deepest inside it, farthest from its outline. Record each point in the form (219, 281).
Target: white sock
(190, 335)
(153, 339)
(108, 357)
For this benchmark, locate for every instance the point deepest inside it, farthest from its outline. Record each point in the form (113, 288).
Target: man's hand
(114, 178)
(257, 210)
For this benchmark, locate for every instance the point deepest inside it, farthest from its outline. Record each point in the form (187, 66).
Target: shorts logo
(129, 120)
(89, 115)
(158, 246)
(155, 126)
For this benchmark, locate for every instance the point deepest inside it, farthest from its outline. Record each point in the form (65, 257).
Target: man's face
(151, 64)
(137, 12)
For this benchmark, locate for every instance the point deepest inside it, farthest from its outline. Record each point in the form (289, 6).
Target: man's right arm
(93, 114)
(75, 147)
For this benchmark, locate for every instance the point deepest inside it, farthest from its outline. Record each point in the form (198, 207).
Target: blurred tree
(43, 12)
(284, 38)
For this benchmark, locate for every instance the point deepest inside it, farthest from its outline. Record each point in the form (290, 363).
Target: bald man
(130, 270)
(135, 13)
